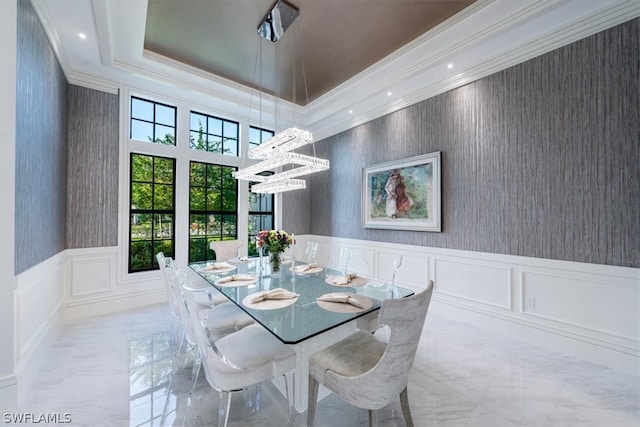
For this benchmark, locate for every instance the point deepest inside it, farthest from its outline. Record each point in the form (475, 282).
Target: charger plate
(209, 269)
(235, 283)
(353, 283)
(269, 304)
(309, 271)
(342, 307)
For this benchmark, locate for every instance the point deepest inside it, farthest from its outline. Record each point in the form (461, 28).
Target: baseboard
(8, 393)
(31, 362)
(113, 303)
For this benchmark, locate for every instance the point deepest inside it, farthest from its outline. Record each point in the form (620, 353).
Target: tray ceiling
(330, 42)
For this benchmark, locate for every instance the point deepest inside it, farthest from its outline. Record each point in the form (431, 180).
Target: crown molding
(485, 38)
(91, 81)
(325, 122)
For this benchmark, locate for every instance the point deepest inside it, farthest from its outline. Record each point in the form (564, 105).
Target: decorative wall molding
(94, 286)
(73, 284)
(38, 302)
(587, 310)
(453, 275)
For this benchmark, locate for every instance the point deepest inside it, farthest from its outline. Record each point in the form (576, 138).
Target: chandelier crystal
(277, 152)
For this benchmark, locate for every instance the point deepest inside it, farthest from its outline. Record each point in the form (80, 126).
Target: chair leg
(311, 402)
(195, 372)
(227, 407)
(289, 387)
(406, 411)
(373, 418)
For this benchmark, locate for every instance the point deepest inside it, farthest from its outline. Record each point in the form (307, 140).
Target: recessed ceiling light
(350, 111)
(449, 65)
(388, 93)
(82, 36)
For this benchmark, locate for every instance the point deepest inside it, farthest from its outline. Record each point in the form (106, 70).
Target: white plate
(309, 271)
(236, 283)
(270, 304)
(209, 269)
(342, 307)
(353, 283)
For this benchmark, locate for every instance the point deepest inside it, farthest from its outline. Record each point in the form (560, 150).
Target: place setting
(344, 302)
(236, 280)
(350, 280)
(310, 268)
(218, 267)
(270, 300)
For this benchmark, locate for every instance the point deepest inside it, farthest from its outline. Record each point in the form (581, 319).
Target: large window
(258, 135)
(260, 205)
(213, 134)
(152, 121)
(152, 212)
(260, 217)
(189, 183)
(213, 208)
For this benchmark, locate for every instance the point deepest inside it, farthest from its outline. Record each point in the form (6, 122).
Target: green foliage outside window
(152, 121)
(152, 212)
(213, 208)
(260, 205)
(213, 134)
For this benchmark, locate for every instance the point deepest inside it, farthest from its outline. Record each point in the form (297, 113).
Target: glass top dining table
(293, 321)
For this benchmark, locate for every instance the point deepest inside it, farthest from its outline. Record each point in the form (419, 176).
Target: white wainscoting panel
(39, 298)
(92, 275)
(589, 311)
(414, 270)
(94, 287)
(31, 313)
(587, 303)
(474, 281)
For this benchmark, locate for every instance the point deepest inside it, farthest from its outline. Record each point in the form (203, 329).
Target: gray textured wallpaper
(92, 196)
(41, 145)
(539, 160)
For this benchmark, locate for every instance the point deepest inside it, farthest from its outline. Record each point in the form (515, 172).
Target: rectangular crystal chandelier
(277, 152)
(279, 186)
(287, 140)
(275, 155)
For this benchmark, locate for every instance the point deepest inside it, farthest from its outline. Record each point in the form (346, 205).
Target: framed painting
(403, 194)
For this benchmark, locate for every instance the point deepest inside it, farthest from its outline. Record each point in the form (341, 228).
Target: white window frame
(183, 155)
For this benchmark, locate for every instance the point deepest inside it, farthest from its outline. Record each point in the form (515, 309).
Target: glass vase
(275, 259)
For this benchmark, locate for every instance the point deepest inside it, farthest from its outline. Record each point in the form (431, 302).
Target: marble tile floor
(117, 370)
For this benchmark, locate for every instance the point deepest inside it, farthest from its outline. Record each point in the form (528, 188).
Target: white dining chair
(219, 319)
(240, 360)
(344, 257)
(311, 251)
(164, 264)
(225, 249)
(365, 371)
(207, 296)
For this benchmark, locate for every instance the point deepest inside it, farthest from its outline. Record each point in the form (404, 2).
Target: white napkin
(218, 266)
(306, 267)
(277, 293)
(339, 297)
(341, 280)
(237, 278)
